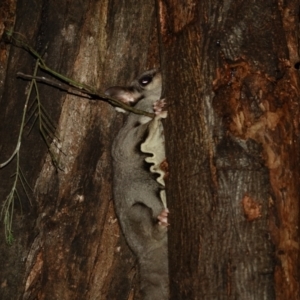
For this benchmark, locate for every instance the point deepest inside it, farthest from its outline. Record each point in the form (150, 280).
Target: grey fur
(136, 191)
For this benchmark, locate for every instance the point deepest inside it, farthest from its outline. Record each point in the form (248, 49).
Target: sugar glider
(138, 191)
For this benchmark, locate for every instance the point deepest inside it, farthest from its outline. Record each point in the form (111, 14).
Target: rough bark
(68, 244)
(233, 190)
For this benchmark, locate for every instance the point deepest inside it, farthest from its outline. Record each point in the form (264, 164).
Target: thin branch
(81, 90)
(84, 88)
(12, 156)
(62, 86)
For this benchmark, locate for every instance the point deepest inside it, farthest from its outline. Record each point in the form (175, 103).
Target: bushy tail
(154, 275)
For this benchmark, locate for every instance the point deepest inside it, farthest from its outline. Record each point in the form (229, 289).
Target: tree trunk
(233, 148)
(232, 145)
(67, 243)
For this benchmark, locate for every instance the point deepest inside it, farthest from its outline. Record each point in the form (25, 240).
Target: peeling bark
(233, 190)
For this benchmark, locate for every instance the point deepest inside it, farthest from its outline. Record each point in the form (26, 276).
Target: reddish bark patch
(252, 209)
(165, 168)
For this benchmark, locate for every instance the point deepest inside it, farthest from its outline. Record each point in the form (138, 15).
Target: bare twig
(84, 88)
(59, 85)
